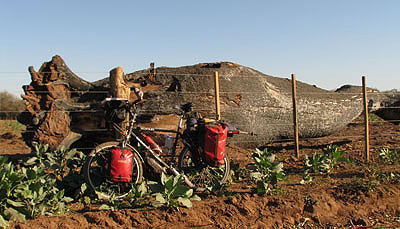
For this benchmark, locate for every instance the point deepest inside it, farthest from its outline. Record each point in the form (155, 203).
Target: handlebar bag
(215, 142)
(121, 165)
(115, 110)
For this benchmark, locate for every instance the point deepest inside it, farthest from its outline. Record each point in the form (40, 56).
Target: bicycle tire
(201, 174)
(97, 176)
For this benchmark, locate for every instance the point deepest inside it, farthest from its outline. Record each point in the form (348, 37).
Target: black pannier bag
(115, 109)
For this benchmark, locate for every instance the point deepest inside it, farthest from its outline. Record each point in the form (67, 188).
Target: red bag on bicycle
(214, 143)
(121, 165)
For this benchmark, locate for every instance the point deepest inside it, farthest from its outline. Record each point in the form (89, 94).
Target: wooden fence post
(217, 102)
(295, 122)
(366, 120)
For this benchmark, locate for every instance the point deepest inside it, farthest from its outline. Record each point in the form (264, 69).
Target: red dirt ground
(346, 198)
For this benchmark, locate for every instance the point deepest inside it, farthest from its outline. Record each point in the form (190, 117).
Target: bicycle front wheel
(97, 173)
(200, 173)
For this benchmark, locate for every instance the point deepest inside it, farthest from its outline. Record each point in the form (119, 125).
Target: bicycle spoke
(201, 173)
(97, 173)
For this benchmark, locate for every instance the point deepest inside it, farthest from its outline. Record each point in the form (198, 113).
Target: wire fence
(10, 114)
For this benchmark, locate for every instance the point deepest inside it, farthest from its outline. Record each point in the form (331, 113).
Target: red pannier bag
(121, 165)
(214, 143)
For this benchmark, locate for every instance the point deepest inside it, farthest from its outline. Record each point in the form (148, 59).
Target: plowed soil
(349, 197)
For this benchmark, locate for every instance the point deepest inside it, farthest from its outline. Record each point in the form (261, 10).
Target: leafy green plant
(358, 186)
(28, 192)
(389, 177)
(217, 188)
(139, 192)
(82, 197)
(112, 203)
(214, 185)
(389, 156)
(63, 164)
(38, 187)
(322, 163)
(9, 181)
(307, 178)
(326, 162)
(171, 193)
(138, 195)
(318, 163)
(237, 172)
(266, 172)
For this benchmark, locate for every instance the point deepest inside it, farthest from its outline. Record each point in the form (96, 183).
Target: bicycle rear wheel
(97, 174)
(200, 173)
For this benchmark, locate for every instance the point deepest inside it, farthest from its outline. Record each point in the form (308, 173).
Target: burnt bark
(61, 107)
(56, 101)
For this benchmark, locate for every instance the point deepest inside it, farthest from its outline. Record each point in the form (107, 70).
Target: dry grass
(11, 126)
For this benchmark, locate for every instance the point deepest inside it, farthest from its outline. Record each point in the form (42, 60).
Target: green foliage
(358, 186)
(37, 187)
(208, 177)
(389, 177)
(213, 182)
(171, 193)
(139, 192)
(112, 203)
(64, 165)
(217, 188)
(237, 173)
(389, 156)
(266, 172)
(322, 163)
(10, 105)
(371, 118)
(138, 195)
(81, 195)
(10, 179)
(28, 192)
(307, 178)
(327, 161)
(376, 177)
(11, 126)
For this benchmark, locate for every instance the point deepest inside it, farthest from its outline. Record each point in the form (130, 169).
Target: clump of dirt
(12, 144)
(8, 135)
(349, 197)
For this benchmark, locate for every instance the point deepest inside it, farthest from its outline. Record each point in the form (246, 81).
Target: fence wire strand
(256, 139)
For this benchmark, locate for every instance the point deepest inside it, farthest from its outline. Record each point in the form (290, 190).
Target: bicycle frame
(138, 135)
(145, 152)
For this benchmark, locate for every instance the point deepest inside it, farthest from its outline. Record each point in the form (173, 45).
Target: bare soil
(346, 198)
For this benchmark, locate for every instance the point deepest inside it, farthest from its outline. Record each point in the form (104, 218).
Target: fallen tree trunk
(61, 107)
(57, 101)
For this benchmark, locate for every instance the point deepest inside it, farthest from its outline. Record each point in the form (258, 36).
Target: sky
(325, 43)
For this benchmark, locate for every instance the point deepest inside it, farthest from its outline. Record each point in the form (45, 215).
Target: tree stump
(118, 87)
(53, 100)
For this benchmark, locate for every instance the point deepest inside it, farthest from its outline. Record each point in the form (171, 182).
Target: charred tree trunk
(56, 101)
(61, 107)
